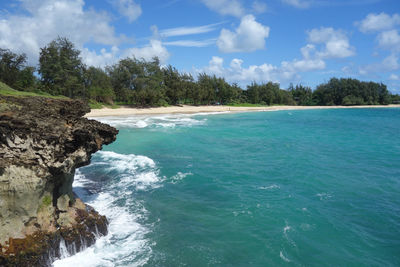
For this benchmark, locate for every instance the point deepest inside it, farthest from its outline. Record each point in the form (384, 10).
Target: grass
(47, 200)
(8, 91)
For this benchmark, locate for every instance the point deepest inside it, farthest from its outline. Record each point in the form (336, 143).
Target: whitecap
(270, 187)
(283, 257)
(126, 240)
(141, 124)
(179, 176)
(154, 121)
(324, 196)
(286, 229)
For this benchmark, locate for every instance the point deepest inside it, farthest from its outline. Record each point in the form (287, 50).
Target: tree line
(145, 83)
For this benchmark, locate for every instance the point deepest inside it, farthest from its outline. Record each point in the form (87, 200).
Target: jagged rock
(42, 142)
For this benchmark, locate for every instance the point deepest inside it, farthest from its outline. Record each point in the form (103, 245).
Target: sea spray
(126, 241)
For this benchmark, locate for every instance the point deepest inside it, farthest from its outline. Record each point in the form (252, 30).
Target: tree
(174, 83)
(61, 69)
(302, 95)
(138, 82)
(99, 86)
(14, 72)
(351, 92)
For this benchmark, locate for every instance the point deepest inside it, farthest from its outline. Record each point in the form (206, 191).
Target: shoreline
(126, 111)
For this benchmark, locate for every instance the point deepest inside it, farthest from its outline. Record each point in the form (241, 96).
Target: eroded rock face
(42, 142)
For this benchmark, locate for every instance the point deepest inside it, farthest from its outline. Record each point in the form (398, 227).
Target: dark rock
(42, 142)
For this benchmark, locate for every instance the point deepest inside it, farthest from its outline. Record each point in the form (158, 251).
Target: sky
(286, 41)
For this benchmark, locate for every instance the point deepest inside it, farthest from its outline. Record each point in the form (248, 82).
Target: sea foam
(126, 241)
(155, 121)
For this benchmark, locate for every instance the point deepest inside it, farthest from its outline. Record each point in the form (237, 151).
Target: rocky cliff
(42, 142)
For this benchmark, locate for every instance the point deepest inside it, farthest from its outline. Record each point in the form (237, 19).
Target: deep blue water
(296, 188)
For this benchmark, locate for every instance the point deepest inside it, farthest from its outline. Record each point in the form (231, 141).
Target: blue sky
(298, 41)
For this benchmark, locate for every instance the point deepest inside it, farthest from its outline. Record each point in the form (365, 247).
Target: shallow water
(299, 188)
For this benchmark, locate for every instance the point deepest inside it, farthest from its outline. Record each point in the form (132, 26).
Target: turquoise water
(296, 188)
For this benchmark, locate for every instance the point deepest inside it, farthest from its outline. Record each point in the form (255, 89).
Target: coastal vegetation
(141, 83)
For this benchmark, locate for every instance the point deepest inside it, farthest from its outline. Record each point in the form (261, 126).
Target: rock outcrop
(42, 142)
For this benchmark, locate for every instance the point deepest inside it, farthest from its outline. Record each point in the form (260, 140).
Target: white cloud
(394, 77)
(390, 40)
(390, 63)
(129, 9)
(248, 37)
(47, 19)
(91, 58)
(181, 31)
(190, 43)
(336, 44)
(312, 60)
(378, 22)
(236, 73)
(259, 7)
(225, 7)
(287, 71)
(154, 49)
(297, 3)
(303, 65)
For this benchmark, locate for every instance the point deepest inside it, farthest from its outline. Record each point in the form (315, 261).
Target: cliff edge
(42, 142)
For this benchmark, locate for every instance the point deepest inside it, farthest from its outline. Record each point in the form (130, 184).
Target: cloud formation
(388, 39)
(388, 64)
(182, 31)
(324, 43)
(259, 7)
(297, 3)
(287, 71)
(226, 7)
(154, 49)
(236, 73)
(48, 19)
(128, 9)
(191, 43)
(248, 37)
(336, 43)
(378, 22)
(44, 20)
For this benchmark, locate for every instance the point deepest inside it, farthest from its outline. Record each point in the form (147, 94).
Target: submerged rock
(42, 142)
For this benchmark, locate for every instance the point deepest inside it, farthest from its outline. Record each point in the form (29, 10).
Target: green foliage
(14, 72)
(61, 69)
(350, 100)
(145, 83)
(302, 95)
(268, 94)
(138, 82)
(8, 91)
(351, 92)
(395, 99)
(94, 104)
(99, 85)
(47, 200)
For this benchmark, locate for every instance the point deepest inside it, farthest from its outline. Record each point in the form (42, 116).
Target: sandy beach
(127, 111)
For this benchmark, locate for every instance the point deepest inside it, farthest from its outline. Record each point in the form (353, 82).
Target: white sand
(126, 111)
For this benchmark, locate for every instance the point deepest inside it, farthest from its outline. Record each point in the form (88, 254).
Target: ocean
(284, 188)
